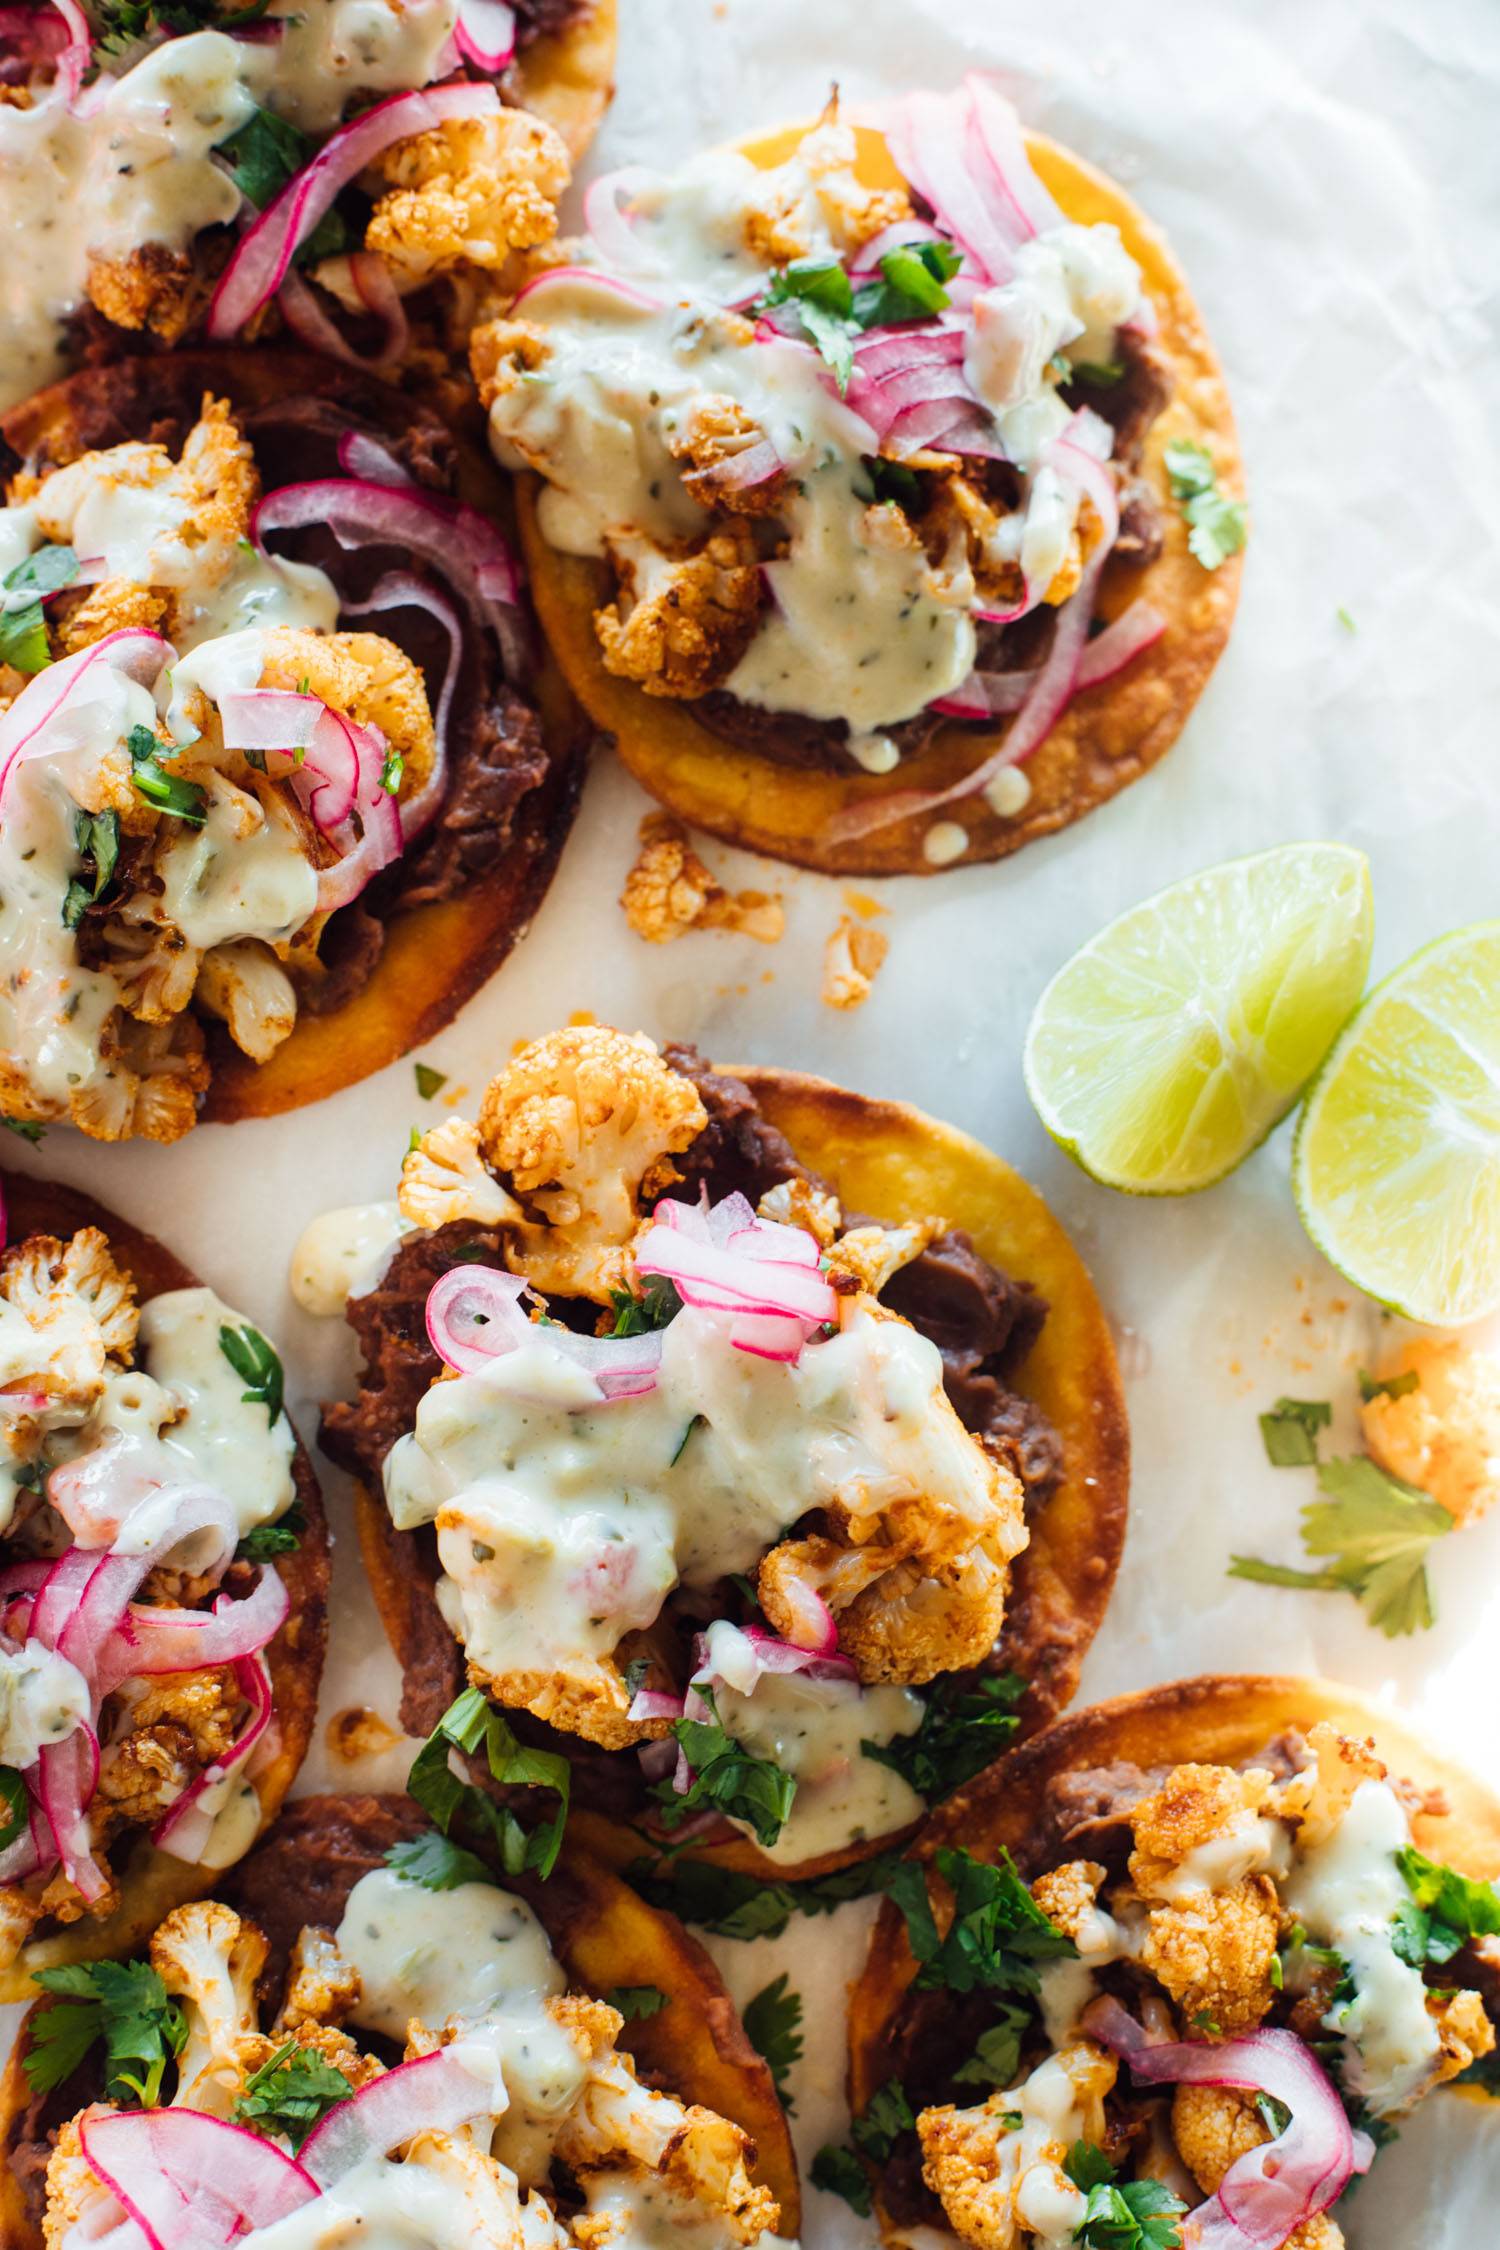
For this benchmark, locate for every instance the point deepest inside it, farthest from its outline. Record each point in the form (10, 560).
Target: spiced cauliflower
(1215, 1955)
(1442, 1433)
(680, 623)
(790, 215)
(67, 1318)
(1213, 2128)
(583, 1126)
(994, 2181)
(670, 891)
(469, 192)
(445, 1179)
(152, 287)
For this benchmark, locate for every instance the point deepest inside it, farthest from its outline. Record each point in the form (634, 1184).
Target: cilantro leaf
(1378, 1531)
(124, 2004)
(469, 1724)
(887, 2116)
(838, 2171)
(1121, 2214)
(1387, 1386)
(23, 624)
(14, 1799)
(636, 1316)
(98, 839)
(962, 1731)
(833, 314)
(892, 483)
(1216, 524)
(910, 285)
(636, 2002)
(727, 1778)
(282, 1537)
(1099, 374)
(290, 2093)
(436, 1862)
(1445, 1910)
(997, 2052)
(28, 1128)
(772, 2023)
(257, 1365)
(998, 1933)
(1289, 1431)
(184, 800)
(429, 1081)
(264, 154)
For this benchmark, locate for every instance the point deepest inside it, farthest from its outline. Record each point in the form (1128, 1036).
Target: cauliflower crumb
(444, 1178)
(669, 891)
(869, 1256)
(818, 196)
(852, 959)
(68, 1313)
(1214, 1954)
(584, 1124)
(800, 1202)
(151, 287)
(150, 1085)
(1465, 2031)
(468, 192)
(1444, 1435)
(680, 624)
(245, 985)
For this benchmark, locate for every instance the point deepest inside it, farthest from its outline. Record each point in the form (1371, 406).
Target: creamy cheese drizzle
(134, 162)
(861, 627)
(562, 1526)
(42, 1699)
(1346, 1892)
(343, 1254)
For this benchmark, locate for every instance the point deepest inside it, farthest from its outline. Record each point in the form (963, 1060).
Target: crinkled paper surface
(1330, 174)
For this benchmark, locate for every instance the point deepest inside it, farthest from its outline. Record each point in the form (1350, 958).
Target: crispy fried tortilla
(434, 956)
(1228, 1720)
(153, 1882)
(604, 1936)
(1109, 735)
(568, 76)
(890, 1162)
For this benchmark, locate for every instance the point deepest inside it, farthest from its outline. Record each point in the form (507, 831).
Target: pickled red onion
(399, 590)
(607, 223)
(187, 1824)
(26, 726)
(190, 2181)
(486, 33)
(474, 1317)
(264, 255)
(589, 277)
(435, 2093)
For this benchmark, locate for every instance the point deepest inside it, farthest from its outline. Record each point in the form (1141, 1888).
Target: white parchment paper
(1329, 171)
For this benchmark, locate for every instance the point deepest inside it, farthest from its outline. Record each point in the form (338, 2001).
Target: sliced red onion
(152, 1641)
(370, 837)
(1274, 2189)
(398, 590)
(264, 256)
(67, 1773)
(773, 1658)
(32, 1852)
(727, 1281)
(474, 1317)
(965, 155)
(436, 2093)
(587, 277)
(898, 236)
(368, 460)
(75, 56)
(812, 1619)
(1135, 629)
(189, 2181)
(28, 728)
(310, 324)
(986, 695)
(654, 1703)
(187, 1824)
(486, 33)
(59, 1594)
(996, 148)
(737, 472)
(377, 292)
(607, 223)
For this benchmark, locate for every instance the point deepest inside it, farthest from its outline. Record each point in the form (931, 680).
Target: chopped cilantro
(773, 2025)
(14, 1799)
(392, 767)
(1345, 619)
(887, 2117)
(429, 1081)
(1289, 1431)
(997, 2052)
(98, 838)
(892, 482)
(1216, 524)
(1378, 1531)
(1444, 1911)
(682, 1443)
(910, 285)
(23, 626)
(962, 1730)
(635, 1316)
(1100, 374)
(282, 1537)
(637, 2002)
(727, 1778)
(257, 1365)
(29, 1128)
(290, 2093)
(1121, 2214)
(436, 1862)
(469, 1724)
(264, 154)
(838, 2171)
(997, 1935)
(1299, 1966)
(833, 314)
(1387, 1386)
(184, 800)
(124, 2004)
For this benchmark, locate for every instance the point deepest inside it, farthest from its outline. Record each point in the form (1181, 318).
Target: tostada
(164, 1564)
(282, 774)
(759, 1443)
(883, 501)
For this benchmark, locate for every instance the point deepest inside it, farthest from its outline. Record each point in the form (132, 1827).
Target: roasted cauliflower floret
(993, 2184)
(368, 679)
(80, 2207)
(444, 1178)
(1214, 1954)
(321, 1986)
(1465, 2031)
(1443, 1435)
(680, 623)
(584, 1124)
(791, 216)
(469, 192)
(802, 1203)
(244, 984)
(852, 959)
(151, 1079)
(714, 432)
(209, 1959)
(870, 1256)
(66, 1312)
(1213, 2128)
(1318, 1797)
(199, 507)
(502, 353)
(113, 606)
(1069, 1897)
(1212, 1811)
(669, 891)
(151, 287)
(171, 1731)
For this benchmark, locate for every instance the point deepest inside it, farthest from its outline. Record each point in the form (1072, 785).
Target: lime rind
(1396, 1163)
(1177, 1038)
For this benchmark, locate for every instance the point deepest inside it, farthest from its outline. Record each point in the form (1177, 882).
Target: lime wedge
(1169, 1046)
(1397, 1160)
